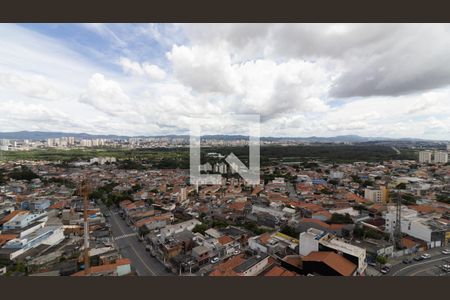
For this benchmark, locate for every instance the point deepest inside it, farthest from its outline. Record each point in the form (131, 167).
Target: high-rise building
(448, 147)
(49, 142)
(380, 195)
(86, 143)
(425, 156)
(440, 157)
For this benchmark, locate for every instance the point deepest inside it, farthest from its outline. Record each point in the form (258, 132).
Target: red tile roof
(11, 215)
(225, 239)
(58, 205)
(333, 260)
(279, 271)
(105, 268)
(226, 268)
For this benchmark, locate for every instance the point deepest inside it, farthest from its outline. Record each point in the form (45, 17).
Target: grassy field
(174, 157)
(84, 154)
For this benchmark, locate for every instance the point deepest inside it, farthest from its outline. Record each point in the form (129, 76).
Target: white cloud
(203, 69)
(136, 69)
(153, 71)
(36, 86)
(107, 96)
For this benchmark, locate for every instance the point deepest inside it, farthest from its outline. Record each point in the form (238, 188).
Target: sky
(378, 80)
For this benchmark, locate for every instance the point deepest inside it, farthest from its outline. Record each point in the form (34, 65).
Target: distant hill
(41, 135)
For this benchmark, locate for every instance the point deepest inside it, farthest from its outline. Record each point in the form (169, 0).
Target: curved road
(428, 267)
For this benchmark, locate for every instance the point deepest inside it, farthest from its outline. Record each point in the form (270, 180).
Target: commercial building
(21, 221)
(49, 235)
(423, 228)
(328, 263)
(314, 240)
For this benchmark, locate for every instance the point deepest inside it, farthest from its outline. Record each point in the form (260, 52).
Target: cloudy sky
(389, 80)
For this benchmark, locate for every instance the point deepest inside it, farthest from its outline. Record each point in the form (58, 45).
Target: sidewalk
(399, 260)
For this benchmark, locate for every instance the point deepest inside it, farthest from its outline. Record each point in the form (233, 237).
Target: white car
(236, 252)
(214, 260)
(446, 251)
(426, 255)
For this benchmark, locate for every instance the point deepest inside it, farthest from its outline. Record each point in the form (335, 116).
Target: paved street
(428, 267)
(130, 247)
(291, 191)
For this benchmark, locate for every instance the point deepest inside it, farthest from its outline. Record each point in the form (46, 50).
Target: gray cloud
(376, 59)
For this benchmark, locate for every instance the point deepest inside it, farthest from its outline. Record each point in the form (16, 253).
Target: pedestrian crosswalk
(124, 236)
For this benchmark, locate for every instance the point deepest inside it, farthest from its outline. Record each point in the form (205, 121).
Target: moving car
(426, 255)
(385, 270)
(418, 258)
(214, 260)
(407, 261)
(446, 251)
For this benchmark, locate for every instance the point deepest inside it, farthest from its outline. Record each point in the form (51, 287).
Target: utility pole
(398, 222)
(85, 190)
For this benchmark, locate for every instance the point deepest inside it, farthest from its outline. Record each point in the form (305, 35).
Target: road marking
(134, 250)
(418, 264)
(124, 236)
(420, 271)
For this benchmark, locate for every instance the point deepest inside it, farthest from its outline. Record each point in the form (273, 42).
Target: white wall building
(177, 228)
(21, 221)
(440, 157)
(422, 228)
(317, 240)
(50, 235)
(425, 156)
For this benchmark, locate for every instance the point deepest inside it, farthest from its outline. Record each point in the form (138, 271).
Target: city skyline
(303, 79)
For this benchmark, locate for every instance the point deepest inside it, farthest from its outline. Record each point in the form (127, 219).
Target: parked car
(237, 252)
(418, 258)
(214, 260)
(385, 270)
(373, 264)
(446, 251)
(407, 261)
(426, 255)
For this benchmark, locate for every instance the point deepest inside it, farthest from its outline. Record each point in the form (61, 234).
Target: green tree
(201, 228)
(401, 186)
(290, 231)
(341, 219)
(381, 259)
